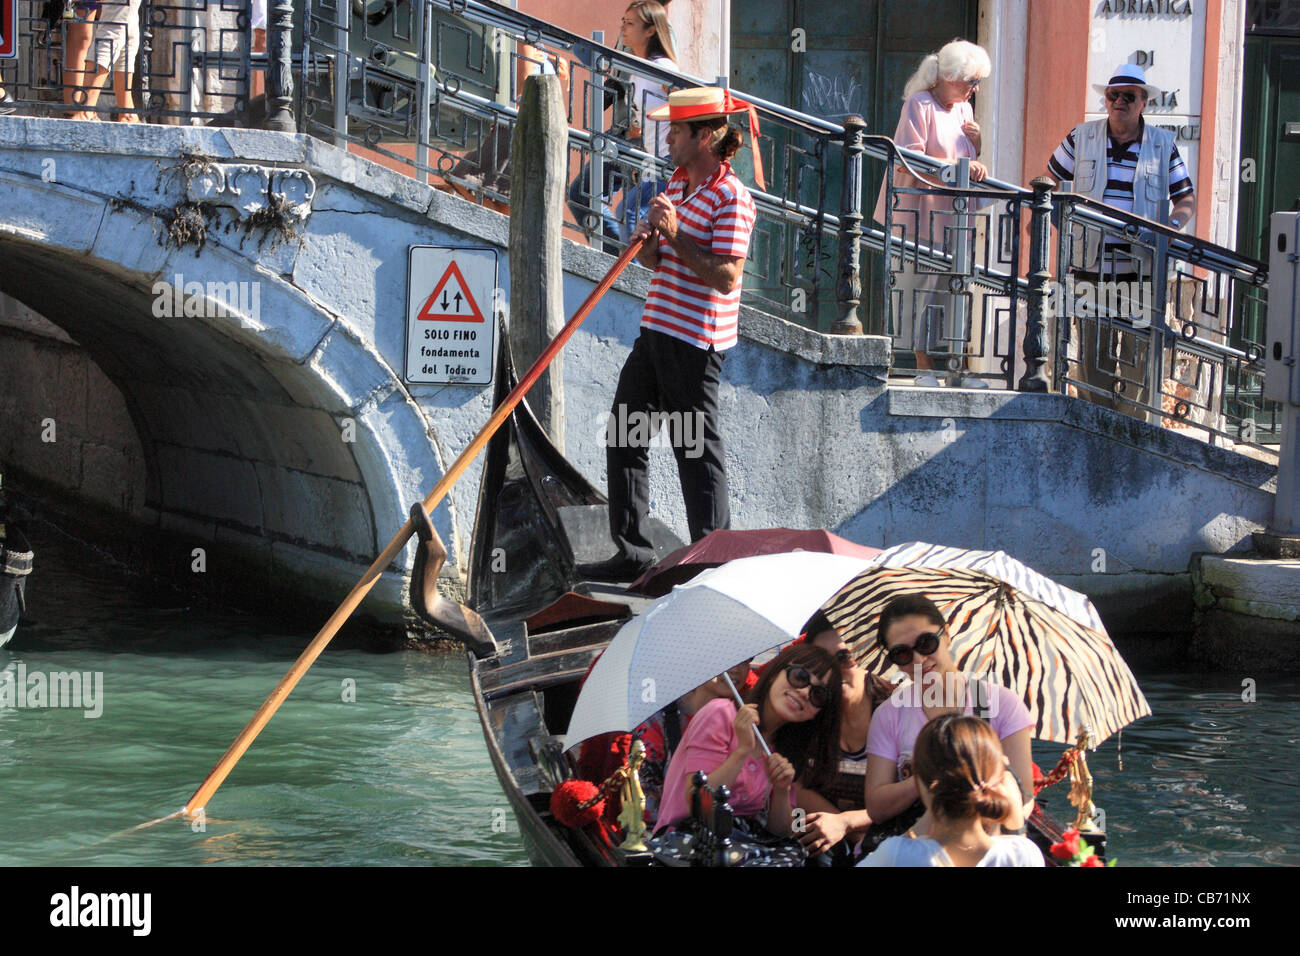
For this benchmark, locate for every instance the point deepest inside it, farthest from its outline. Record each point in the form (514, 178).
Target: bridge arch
(267, 423)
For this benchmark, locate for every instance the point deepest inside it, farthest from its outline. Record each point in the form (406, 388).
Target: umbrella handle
(740, 703)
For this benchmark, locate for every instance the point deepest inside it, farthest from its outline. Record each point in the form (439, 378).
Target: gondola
(15, 566)
(533, 626)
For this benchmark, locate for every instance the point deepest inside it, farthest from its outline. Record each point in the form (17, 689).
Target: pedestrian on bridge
(937, 120)
(1127, 163)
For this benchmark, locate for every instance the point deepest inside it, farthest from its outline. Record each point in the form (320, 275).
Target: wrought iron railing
(940, 264)
(170, 60)
(468, 69)
(950, 271)
(1161, 325)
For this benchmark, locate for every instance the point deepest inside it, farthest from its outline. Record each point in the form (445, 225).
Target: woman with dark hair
(962, 778)
(915, 636)
(836, 814)
(796, 707)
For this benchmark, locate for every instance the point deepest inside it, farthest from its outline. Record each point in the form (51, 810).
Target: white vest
(1151, 179)
(1150, 186)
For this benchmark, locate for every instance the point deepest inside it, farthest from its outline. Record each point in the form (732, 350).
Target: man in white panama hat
(696, 241)
(1126, 163)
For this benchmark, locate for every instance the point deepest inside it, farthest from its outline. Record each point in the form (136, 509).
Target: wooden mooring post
(538, 154)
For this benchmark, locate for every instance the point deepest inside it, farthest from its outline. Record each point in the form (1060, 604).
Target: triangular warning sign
(451, 301)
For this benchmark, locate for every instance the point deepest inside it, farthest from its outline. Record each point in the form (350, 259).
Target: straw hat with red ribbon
(711, 102)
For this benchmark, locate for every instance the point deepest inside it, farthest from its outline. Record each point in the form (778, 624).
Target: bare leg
(259, 78)
(77, 82)
(93, 89)
(125, 101)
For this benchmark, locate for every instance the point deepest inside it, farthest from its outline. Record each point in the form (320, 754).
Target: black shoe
(618, 568)
(7, 103)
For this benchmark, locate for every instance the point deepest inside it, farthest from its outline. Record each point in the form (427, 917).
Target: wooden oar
(362, 588)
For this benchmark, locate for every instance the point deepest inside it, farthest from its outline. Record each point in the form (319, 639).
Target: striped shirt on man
(719, 218)
(1121, 169)
(1121, 166)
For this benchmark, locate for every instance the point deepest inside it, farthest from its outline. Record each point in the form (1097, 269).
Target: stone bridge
(203, 331)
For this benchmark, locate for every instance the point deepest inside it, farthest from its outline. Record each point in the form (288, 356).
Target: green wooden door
(1270, 170)
(1270, 140)
(830, 59)
(1270, 151)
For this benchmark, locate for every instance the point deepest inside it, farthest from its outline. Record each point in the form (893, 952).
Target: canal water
(378, 759)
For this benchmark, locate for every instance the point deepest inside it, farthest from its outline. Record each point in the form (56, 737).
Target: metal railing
(466, 59)
(948, 255)
(159, 60)
(1161, 325)
(431, 86)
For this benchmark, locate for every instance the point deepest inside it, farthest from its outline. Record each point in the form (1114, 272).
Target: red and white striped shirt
(718, 217)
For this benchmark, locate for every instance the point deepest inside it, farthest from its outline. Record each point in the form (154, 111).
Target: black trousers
(665, 384)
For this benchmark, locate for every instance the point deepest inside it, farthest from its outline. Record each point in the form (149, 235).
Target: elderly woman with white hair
(937, 120)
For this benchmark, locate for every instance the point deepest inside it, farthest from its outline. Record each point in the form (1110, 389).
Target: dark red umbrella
(719, 547)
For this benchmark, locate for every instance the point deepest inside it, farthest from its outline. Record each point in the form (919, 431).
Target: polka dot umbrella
(1009, 625)
(700, 629)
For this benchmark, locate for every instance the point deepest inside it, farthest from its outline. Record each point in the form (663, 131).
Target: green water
(397, 776)
(400, 774)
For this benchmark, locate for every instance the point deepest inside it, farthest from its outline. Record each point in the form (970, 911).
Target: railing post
(961, 264)
(1158, 331)
(423, 75)
(194, 48)
(144, 105)
(1063, 333)
(1040, 234)
(886, 324)
(848, 285)
(279, 68)
(595, 157)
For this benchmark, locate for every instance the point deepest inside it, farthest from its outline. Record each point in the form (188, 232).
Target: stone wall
(239, 420)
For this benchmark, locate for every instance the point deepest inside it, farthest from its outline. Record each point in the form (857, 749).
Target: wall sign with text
(450, 314)
(1167, 39)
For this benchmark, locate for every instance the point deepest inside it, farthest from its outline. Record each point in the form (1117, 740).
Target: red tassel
(754, 150)
(567, 800)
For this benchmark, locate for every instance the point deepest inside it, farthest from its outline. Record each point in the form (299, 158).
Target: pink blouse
(927, 127)
(709, 740)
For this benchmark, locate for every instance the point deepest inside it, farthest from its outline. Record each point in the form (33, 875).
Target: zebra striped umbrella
(1010, 625)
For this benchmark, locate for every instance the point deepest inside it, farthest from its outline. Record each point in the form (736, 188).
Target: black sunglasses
(800, 676)
(901, 654)
(1125, 95)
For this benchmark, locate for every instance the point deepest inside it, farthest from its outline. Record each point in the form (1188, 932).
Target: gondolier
(697, 238)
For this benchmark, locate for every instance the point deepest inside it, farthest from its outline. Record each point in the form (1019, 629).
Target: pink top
(896, 723)
(927, 127)
(707, 743)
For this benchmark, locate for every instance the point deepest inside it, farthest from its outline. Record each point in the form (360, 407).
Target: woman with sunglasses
(836, 815)
(915, 636)
(796, 707)
(962, 779)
